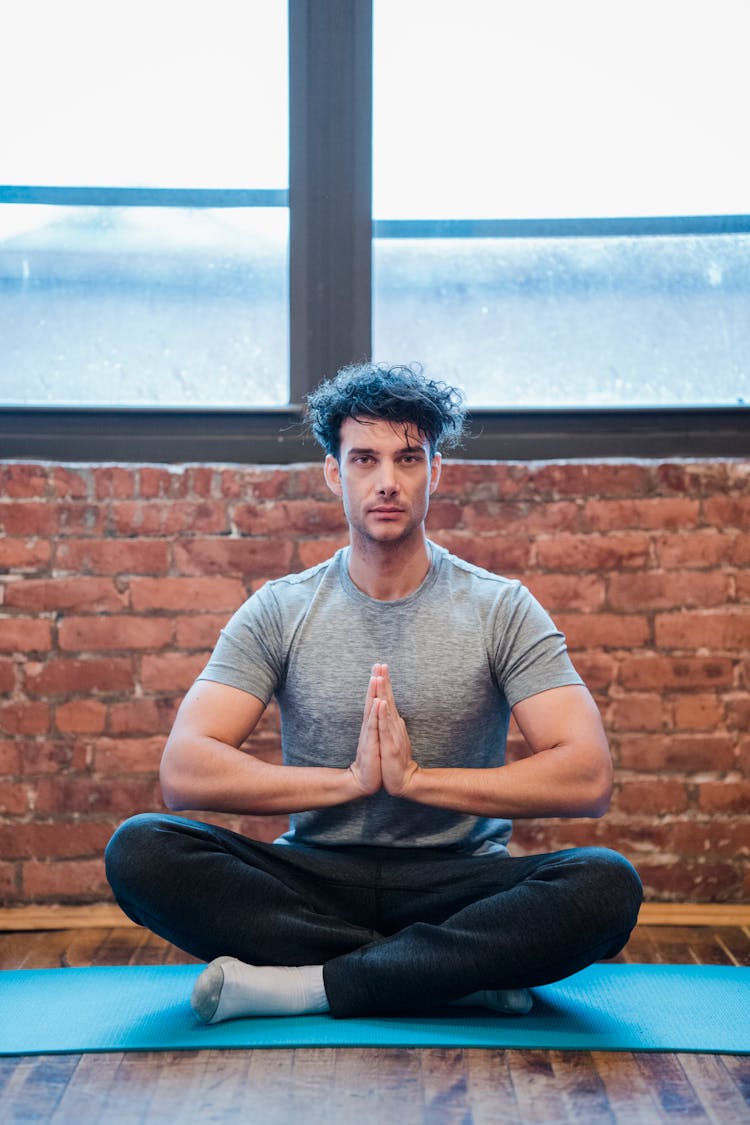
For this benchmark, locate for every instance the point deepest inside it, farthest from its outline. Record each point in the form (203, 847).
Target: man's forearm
(212, 776)
(551, 783)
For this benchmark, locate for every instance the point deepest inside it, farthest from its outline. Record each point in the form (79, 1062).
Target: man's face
(385, 476)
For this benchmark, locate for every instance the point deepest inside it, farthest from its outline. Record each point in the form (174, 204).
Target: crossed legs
(382, 929)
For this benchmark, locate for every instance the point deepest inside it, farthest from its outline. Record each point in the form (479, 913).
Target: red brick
(510, 518)
(113, 634)
(443, 514)
(715, 631)
(171, 671)
(603, 630)
(113, 556)
(65, 676)
(244, 558)
(7, 676)
(302, 517)
(121, 796)
(310, 552)
(128, 755)
(24, 554)
(169, 517)
(79, 880)
(592, 552)
(637, 712)
(201, 630)
(10, 762)
(592, 479)
(255, 483)
(651, 797)
(50, 755)
(9, 882)
(187, 593)
(14, 798)
(698, 712)
(25, 634)
(675, 673)
(596, 669)
(660, 590)
(678, 880)
(471, 480)
(54, 839)
(113, 482)
(711, 836)
(566, 592)
(80, 716)
(693, 478)
(677, 753)
(199, 480)
(724, 796)
(657, 513)
(728, 511)
(23, 717)
(81, 595)
(740, 555)
(700, 549)
(22, 480)
(159, 483)
(142, 716)
(500, 554)
(743, 587)
(738, 711)
(35, 518)
(70, 484)
(81, 519)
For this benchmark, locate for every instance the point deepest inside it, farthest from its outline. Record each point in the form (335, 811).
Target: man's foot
(229, 989)
(509, 1001)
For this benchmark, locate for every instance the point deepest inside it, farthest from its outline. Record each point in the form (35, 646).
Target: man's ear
(332, 474)
(435, 469)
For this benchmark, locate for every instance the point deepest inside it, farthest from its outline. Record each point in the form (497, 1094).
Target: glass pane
(162, 94)
(143, 305)
(566, 322)
(550, 109)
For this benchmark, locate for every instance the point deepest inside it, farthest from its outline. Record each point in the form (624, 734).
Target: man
(396, 667)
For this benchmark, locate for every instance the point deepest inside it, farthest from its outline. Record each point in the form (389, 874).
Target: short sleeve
(530, 652)
(248, 652)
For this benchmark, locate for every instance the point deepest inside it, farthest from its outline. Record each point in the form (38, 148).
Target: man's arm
(568, 774)
(202, 766)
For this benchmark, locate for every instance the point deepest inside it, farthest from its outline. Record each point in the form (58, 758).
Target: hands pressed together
(384, 757)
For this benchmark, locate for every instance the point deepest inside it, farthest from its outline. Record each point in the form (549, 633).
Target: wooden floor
(352, 1085)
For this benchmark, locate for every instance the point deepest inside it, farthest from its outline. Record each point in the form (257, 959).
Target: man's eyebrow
(359, 451)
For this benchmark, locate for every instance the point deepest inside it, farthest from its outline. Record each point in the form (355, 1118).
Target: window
(145, 258)
(556, 198)
(205, 212)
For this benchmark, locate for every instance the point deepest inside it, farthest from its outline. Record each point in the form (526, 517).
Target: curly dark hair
(395, 394)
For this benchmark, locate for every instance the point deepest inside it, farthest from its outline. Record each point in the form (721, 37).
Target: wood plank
(717, 1091)
(109, 915)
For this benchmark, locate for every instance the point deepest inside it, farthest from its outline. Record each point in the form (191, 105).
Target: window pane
(163, 94)
(143, 305)
(544, 110)
(570, 322)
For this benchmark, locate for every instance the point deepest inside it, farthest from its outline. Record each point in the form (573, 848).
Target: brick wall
(114, 581)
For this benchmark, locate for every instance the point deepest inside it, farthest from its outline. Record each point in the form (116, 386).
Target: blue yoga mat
(617, 1007)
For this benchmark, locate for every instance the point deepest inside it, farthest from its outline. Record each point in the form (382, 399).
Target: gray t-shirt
(462, 649)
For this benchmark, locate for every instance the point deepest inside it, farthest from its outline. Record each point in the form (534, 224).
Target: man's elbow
(175, 790)
(600, 792)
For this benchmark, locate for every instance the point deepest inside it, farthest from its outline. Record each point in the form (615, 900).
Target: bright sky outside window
(549, 110)
(154, 304)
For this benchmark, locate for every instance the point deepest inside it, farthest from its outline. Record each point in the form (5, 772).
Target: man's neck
(389, 571)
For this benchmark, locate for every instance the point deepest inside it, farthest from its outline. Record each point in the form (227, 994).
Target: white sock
(509, 1001)
(229, 989)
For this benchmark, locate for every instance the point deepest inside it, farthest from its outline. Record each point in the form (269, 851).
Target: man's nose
(387, 482)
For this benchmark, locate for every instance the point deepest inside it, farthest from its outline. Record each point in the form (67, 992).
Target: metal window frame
(331, 231)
